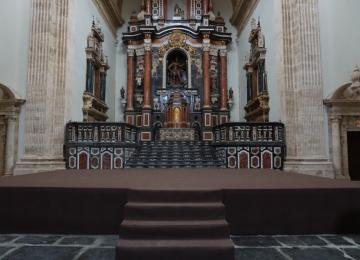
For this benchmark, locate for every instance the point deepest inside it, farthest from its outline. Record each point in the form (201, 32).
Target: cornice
(243, 10)
(111, 10)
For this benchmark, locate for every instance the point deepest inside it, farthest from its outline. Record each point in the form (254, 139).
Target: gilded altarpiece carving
(182, 61)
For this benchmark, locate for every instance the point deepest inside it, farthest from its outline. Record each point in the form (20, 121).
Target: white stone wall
(340, 38)
(14, 29)
(267, 11)
(82, 14)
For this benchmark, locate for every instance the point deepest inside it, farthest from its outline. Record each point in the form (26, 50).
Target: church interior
(179, 129)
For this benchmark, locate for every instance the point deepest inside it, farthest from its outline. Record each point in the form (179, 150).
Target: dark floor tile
(78, 240)
(4, 249)
(38, 240)
(353, 252)
(110, 241)
(337, 240)
(44, 252)
(301, 240)
(258, 241)
(314, 253)
(98, 254)
(258, 254)
(7, 238)
(356, 238)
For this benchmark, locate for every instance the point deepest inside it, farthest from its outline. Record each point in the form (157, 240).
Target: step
(172, 211)
(175, 196)
(220, 249)
(175, 229)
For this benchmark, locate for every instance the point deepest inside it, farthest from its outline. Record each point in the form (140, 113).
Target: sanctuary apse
(177, 68)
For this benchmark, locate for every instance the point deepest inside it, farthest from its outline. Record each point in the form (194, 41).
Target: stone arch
(10, 105)
(344, 118)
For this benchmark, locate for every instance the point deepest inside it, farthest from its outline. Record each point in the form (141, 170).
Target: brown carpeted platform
(256, 201)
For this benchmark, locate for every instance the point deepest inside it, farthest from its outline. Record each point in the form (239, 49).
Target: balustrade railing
(251, 145)
(99, 145)
(101, 133)
(249, 133)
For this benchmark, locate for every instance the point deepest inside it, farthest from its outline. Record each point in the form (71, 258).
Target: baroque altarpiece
(176, 70)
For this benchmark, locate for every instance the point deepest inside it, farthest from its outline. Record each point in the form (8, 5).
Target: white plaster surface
(83, 13)
(265, 10)
(340, 37)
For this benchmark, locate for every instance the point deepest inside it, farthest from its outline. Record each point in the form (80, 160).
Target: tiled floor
(57, 247)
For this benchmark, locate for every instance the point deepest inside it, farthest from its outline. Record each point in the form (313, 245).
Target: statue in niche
(178, 12)
(177, 73)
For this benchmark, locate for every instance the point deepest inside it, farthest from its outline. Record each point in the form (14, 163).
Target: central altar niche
(177, 69)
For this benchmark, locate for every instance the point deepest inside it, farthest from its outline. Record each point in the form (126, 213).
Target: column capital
(223, 52)
(335, 118)
(130, 52)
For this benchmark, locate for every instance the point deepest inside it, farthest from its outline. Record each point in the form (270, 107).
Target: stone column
(47, 83)
(336, 144)
(301, 89)
(147, 71)
(130, 80)
(206, 72)
(223, 81)
(10, 145)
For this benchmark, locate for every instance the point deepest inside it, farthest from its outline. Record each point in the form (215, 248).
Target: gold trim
(177, 40)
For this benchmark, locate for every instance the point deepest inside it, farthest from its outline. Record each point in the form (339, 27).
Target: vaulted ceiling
(112, 12)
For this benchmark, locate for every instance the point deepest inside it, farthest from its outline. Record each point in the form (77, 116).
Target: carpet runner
(178, 225)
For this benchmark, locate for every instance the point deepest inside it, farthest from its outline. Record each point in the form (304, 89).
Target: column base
(313, 167)
(30, 165)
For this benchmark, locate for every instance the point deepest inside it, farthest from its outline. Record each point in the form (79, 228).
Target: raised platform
(256, 201)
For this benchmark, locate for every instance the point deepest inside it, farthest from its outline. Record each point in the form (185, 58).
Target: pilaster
(46, 87)
(302, 89)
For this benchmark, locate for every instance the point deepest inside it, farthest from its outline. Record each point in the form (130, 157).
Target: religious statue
(122, 93)
(177, 10)
(177, 73)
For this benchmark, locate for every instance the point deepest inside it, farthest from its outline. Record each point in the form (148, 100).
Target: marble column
(130, 80)
(147, 71)
(223, 81)
(10, 147)
(206, 6)
(47, 84)
(206, 73)
(336, 144)
(148, 6)
(301, 89)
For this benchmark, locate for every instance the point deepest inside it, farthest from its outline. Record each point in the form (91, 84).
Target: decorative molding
(243, 10)
(111, 11)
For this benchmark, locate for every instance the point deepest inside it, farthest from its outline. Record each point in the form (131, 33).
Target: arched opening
(177, 72)
(9, 126)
